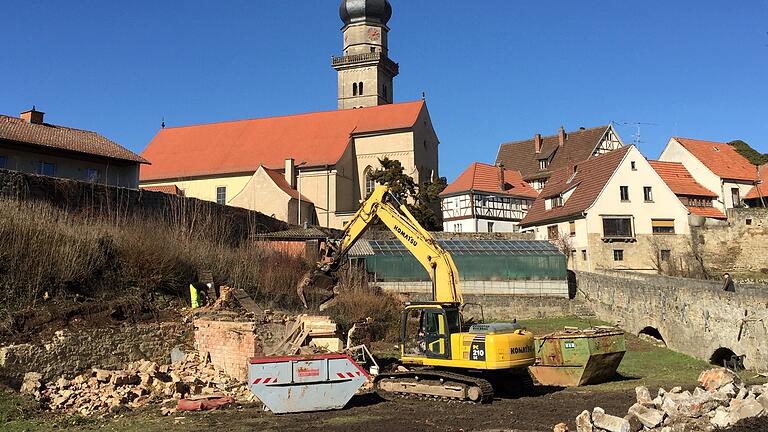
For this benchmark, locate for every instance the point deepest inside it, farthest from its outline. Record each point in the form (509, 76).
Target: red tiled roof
(709, 212)
(485, 178)
(242, 146)
(762, 175)
(282, 183)
(522, 156)
(63, 138)
(722, 159)
(590, 179)
(677, 177)
(168, 189)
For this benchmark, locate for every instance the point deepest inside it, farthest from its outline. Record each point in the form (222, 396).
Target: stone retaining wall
(507, 308)
(71, 352)
(119, 202)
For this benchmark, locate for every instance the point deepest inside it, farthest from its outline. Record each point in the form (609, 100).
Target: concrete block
(649, 417)
(584, 422)
(714, 379)
(643, 395)
(608, 422)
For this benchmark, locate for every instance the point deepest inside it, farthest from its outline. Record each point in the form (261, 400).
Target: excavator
(442, 355)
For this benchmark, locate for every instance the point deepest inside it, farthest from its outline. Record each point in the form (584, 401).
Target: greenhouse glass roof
(459, 247)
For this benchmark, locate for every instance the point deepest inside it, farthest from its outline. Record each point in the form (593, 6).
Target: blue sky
(493, 71)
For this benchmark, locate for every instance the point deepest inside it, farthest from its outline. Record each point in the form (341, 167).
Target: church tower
(365, 71)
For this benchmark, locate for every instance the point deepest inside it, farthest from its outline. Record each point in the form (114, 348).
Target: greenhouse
(476, 260)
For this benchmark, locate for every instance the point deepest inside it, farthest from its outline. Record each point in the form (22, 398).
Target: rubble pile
(102, 391)
(720, 401)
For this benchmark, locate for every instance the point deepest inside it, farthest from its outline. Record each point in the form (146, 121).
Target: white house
(486, 198)
(612, 211)
(716, 166)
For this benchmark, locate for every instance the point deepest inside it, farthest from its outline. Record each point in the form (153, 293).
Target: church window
(354, 89)
(370, 183)
(360, 88)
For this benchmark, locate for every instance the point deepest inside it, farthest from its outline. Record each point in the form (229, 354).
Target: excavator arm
(382, 205)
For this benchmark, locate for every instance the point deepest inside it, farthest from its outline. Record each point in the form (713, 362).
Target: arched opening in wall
(354, 89)
(726, 357)
(360, 88)
(370, 183)
(652, 335)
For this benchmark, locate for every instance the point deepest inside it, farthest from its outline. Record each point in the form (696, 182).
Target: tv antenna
(636, 138)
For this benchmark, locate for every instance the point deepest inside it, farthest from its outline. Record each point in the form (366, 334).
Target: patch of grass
(548, 325)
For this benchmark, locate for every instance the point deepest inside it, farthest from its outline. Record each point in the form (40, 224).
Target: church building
(309, 168)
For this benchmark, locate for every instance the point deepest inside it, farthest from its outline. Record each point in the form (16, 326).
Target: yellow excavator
(443, 355)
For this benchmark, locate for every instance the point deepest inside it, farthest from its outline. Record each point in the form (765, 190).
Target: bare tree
(564, 242)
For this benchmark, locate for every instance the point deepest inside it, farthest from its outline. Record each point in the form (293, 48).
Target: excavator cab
(427, 330)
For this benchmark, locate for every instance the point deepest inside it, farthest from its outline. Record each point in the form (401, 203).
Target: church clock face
(374, 35)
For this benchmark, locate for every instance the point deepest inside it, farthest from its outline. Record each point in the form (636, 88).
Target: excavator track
(434, 383)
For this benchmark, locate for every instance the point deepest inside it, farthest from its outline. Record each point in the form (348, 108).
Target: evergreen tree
(423, 201)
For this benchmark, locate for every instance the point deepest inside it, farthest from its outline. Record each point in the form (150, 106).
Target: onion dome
(369, 11)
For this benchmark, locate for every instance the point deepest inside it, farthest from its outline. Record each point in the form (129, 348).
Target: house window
(665, 255)
(543, 164)
(490, 227)
(552, 232)
(457, 228)
(221, 195)
(624, 192)
(633, 165)
(617, 227)
(572, 227)
(46, 169)
(583, 254)
(91, 175)
(648, 194)
(2, 162)
(663, 226)
(735, 198)
(618, 255)
(370, 183)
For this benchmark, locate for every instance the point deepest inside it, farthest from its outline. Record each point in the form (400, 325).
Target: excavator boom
(383, 206)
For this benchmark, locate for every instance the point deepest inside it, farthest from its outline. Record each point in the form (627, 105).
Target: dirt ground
(369, 413)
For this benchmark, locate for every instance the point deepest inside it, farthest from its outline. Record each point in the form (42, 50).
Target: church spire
(365, 72)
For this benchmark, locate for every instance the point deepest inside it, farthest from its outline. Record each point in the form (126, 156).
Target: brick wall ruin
(229, 344)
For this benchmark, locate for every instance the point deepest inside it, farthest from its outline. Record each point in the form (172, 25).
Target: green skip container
(574, 357)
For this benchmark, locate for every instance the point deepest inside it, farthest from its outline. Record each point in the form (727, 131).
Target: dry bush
(54, 256)
(357, 301)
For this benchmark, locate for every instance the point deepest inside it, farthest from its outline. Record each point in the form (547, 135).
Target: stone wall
(694, 317)
(118, 202)
(71, 352)
(526, 288)
(507, 308)
(737, 246)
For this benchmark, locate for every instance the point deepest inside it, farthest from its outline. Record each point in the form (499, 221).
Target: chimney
(502, 182)
(561, 137)
(33, 116)
(537, 143)
(290, 172)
